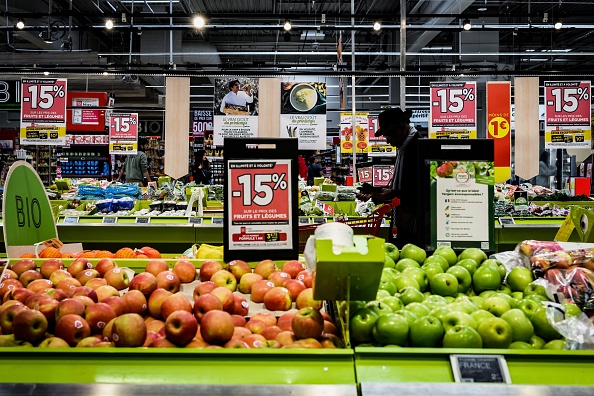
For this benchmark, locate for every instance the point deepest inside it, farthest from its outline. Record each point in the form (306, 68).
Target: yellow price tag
(565, 230)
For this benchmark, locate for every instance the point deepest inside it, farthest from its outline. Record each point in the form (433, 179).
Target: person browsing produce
(136, 166)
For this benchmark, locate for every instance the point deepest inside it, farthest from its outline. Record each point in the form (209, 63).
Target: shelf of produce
(542, 229)
(178, 366)
(545, 367)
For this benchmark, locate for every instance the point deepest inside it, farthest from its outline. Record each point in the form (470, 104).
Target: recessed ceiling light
(377, 25)
(109, 24)
(482, 9)
(198, 22)
(287, 26)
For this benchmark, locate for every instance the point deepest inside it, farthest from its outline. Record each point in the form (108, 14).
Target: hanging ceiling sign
(43, 111)
(453, 110)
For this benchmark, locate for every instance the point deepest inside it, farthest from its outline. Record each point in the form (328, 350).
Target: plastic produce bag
(577, 330)
(125, 203)
(89, 192)
(122, 190)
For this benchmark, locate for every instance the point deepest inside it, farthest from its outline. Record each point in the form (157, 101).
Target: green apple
(529, 307)
(555, 344)
(534, 289)
(361, 325)
(434, 300)
(392, 251)
(405, 263)
(444, 284)
(405, 281)
(496, 305)
(448, 253)
(391, 329)
(462, 337)
(498, 265)
(522, 328)
(486, 278)
(439, 312)
(449, 299)
(438, 259)
(413, 252)
(536, 342)
(495, 333)
(381, 293)
(473, 253)
(393, 273)
(388, 285)
(512, 303)
(517, 296)
(488, 293)
(431, 269)
(571, 309)
(456, 318)
(408, 315)
(389, 262)
(519, 278)
(481, 314)
(459, 307)
(426, 332)
(462, 275)
(379, 307)
(478, 301)
(410, 295)
(520, 345)
(504, 289)
(393, 302)
(542, 327)
(536, 297)
(417, 274)
(418, 309)
(469, 264)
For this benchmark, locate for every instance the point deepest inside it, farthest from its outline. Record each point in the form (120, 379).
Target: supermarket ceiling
(248, 37)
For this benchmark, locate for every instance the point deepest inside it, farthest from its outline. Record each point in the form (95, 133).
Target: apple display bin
(432, 365)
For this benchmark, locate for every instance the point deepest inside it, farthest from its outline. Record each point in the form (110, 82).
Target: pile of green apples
(453, 301)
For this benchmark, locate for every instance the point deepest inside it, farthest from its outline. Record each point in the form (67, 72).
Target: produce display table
(507, 236)
(545, 367)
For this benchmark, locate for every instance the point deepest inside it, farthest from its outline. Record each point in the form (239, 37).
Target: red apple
(226, 297)
(168, 280)
(56, 294)
(53, 342)
(269, 344)
(32, 301)
(84, 276)
(7, 317)
(23, 265)
(306, 278)
(255, 326)
(259, 290)
(67, 285)
(238, 320)
(305, 299)
(330, 341)
(98, 316)
(216, 327)
(90, 342)
(96, 282)
(72, 329)
(106, 291)
(116, 303)
(185, 271)
(107, 330)
(9, 274)
(85, 291)
(235, 343)
(85, 300)
(135, 302)
(155, 325)
(239, 332)
(176, 302)
(79, 265)
(277, 299)
(8, 285)
(265, 317)
(29, 276)
(21, 294)
(203, 288)
(129, 330)
(295, 287)
(330, 328)
(246, 282)
(265, 268)
(39, 285)
(238, 268)
(270, 332)
(180, 327)
(240, 305)
(151, 336)
(162, 342)
(156, 266)
(117, 278)
(58, 275)
(224, 278)
(69, 306)
(279, 278)
(197, 343)
(145, 282)
(308, 323)
(49, 266)
(104, 265)
(254, 340)
(293, 268)
(307, 343)
(48, 307)
(156, 300)
(208, 268)
(205, 303)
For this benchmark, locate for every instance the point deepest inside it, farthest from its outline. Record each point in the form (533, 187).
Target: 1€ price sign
(43, 100)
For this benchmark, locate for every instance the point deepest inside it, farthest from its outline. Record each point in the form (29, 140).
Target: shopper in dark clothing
(201, 171)
(394, 124)
(313, 170)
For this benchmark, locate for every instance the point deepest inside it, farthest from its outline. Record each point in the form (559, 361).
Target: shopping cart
(371, 223)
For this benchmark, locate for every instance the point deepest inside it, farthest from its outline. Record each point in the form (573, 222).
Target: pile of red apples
(100, 305)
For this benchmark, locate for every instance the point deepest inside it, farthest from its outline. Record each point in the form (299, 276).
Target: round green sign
(28, 217)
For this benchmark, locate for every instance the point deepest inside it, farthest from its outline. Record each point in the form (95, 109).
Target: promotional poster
(235, 109)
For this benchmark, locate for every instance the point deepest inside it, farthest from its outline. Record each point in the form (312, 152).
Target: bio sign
(123, 134)
(43, 111)
(567, 114)
(453, 110)
(10, 95)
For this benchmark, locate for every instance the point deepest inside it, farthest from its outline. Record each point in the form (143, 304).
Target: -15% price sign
(43, 100)
(123, 126)
(567, 102)
(453, 103)
(382, 175)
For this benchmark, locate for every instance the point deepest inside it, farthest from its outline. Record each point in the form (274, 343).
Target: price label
(123, 133)
(382, 174)
(480, 368)
(304, 220)
(143, 220)
(506, 221)
(217, 220)
(365, 175)
(194, 220)
(43, 100)
(109, 220)
(568, 99)
(453, 100)
(320, 220)
(70, 220)
(453, 105)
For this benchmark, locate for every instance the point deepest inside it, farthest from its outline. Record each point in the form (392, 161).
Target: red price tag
(453, 104)
(43, 100)
(567, 103)
(365, 175)
(382, 175)
(123, 126)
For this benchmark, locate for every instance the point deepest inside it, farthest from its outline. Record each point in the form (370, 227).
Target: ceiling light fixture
(466, 24)
(558, 24)
(482, 9)
(377, 26)
(109, 24)
(20, 24)
(198, 22)
(287, 26)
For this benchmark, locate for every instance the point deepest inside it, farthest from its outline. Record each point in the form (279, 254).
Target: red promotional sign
(453, 110)
(382, 174)
(365, 174)
(499, 126)
(123, 133)
(43, 100)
